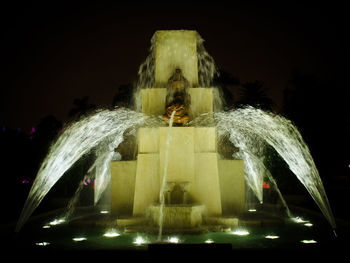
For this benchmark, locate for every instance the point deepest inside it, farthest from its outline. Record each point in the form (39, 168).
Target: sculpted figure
(177, 99)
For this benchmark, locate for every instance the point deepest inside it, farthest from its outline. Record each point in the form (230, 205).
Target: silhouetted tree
(17, 171)
(123, 96)
(254, 94)
(319, 109)
(81, 107)
(45, 133)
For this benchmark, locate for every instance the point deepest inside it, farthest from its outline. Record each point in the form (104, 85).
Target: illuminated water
(164, 180)
(249, 129)
(291, 236)
(103, 129)
(207, 69)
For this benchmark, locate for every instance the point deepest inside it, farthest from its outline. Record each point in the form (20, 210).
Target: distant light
(43, 244)
(104, 212)
(57, 222)
(79, 239)
(209, 241)
(240, 232)
(308, 224)
(139, 241)
(173, 240)
(265, 185)
(298, 220)
(88, 181)
(311, 241)
(252, 210)
(46, 226)
(111, 233)
(25, 181)
(271, 237)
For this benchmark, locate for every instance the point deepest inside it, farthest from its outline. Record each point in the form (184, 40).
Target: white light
(111, 233)
(308, 224)
(209, 241)
(46, 226)
(104, 212)
(57, 222)
(139, 241)
(271, 237)
(43, 244)
(298, 220)
(240, 232)
(311, 241)
(252, 210)
(79, 239)
(173, 240)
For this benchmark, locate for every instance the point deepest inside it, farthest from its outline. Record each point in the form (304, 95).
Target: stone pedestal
(192, 159)
(232, 186)
(123, 174)
(177, 216)
(193, 164)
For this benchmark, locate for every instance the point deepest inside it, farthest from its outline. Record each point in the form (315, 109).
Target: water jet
(177, 164)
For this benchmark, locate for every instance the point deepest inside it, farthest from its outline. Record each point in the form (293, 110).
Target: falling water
(165, 173)
(207, 69)
(250, 128)
(78, 139)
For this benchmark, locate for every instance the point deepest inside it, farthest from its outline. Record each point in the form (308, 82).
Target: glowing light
(79, 239)
(311, 241)
(139, 241)
(298, 220)
(240, 232)
(308, 224)
(111, 233)
(57, 222)
(104, 212)
(46, 226)
(271, 237)
(252, 210)
(42, 244)
(173, 240)
(209, 241)
(265, 185)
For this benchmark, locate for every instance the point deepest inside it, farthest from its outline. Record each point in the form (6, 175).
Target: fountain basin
(177, 216)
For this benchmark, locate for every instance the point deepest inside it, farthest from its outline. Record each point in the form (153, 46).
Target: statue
(177, 99)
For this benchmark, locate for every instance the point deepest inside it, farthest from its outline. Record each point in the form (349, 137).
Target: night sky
(53, 53)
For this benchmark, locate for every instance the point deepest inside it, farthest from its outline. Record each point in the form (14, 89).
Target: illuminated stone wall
(176, 49)
(216, 184)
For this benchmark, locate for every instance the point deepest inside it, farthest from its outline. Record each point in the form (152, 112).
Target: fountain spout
(169, 187)
(184, 188)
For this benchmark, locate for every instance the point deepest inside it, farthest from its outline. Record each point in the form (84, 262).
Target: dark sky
(54, 52)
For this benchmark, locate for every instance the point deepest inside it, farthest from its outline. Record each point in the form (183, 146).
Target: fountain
(163, 162)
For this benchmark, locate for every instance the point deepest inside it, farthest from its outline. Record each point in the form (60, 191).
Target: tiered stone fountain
(199, 184)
